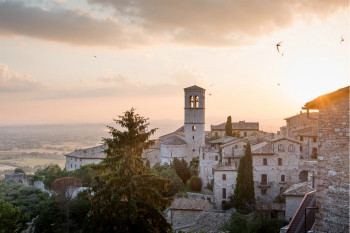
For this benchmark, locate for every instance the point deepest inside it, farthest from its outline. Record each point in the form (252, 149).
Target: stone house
(303, 127)
(294, 196)
(332, 196)
(224, 184)
(245, 129)
(275, 166)
(184, 211)
(78, 158)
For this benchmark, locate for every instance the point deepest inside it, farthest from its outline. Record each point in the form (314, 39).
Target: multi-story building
(245, 129)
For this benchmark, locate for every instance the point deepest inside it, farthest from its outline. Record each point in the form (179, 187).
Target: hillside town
(306, 163)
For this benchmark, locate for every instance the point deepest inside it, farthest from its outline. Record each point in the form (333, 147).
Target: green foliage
(19, 170)
(51, 219)
(168, 172)
(279, 199)
(237, 224)
(244, 198)
(49, 174)
(215, 137)
(195, 183)
(86, 174)
(220, 154)
(182, 170)
(227, 205)
(79, 209)
(127, 196)
(10, 216)
(210, 185)
(26, 198)
(148, 164)
(228, 127)
(194, 166)
(236, 134)
(267, 225)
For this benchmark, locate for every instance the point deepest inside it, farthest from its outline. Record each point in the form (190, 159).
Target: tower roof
(194, 88)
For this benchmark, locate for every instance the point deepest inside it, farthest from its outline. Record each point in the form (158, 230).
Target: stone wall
(333, 167)
(220, 184)
(292, 205)
(206, 165)
(19, 177)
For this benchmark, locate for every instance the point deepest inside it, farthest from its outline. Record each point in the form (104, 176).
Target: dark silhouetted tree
(127, 196)
(244, 197)
(195, 183)
(228, 127)
(182, 170)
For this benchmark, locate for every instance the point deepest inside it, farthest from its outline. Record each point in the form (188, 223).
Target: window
(279, 161)
(314, 139)
(233, 151)
(224, 193)
(245, 146)
(245, 134)
(301, 148)
(263, 191)
(193, 137)
(264, 179)
(283, 178)
(193, 128)
(196, 101)
(216, 134)
(229, 161)
(236, 146)
(291, 148)
(216, 158)
(265, 161)
(191, 101)
(301, 138)
(71, 165)
(75, 166)
(193, 150)
(203, 156)
(280, 147)
(223, 176)
(75, 159)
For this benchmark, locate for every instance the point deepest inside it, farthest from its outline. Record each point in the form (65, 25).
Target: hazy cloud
(73, 27)
(11, 81)
(219, 22)
(143, 22)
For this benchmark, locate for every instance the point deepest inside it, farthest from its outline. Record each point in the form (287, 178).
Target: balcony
(264, 184)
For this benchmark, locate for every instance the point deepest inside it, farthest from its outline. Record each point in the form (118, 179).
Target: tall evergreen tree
(244, 197)
(127, 196)
(228, 127)
(182, 170)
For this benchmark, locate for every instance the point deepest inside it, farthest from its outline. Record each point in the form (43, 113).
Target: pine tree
(182, 170)
(228, 127)
(244, 197)
(127, 196)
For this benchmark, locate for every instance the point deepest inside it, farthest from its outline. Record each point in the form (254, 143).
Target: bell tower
(194, 119)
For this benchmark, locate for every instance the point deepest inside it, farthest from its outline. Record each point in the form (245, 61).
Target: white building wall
(292, 205)
(207, 164)
(73, 163)
(169, 152)
(220, 184)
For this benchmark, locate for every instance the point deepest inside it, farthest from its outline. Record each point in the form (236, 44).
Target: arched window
(196, 101)
(291, 148)
(280, 147)
(191, 101)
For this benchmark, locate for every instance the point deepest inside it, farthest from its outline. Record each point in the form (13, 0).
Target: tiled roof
(299, 189)
(191, 204)
(173, 140)
(327, 98)
(223, 140)
(96, 152)
(241, 125)
(285, 138)
(209, 222)
(194, 88)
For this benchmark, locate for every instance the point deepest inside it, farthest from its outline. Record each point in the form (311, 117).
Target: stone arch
(303, 176)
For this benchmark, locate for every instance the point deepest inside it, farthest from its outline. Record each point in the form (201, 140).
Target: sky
(88, 61)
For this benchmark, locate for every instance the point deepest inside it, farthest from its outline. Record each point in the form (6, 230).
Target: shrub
(195, 184)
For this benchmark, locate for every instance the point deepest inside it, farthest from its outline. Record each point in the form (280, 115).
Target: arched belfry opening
(191, 101)
(196, 101)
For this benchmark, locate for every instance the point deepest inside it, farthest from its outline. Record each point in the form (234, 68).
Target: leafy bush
(195, 184)
(237, 224)
(210, 185)
(9, 217)
(19, 170)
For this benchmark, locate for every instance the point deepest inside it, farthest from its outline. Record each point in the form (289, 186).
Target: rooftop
(191, 204)
(194, 88)
(96, 152)
(327, 98)
(209, 222)
(241, 125)
(299, 189)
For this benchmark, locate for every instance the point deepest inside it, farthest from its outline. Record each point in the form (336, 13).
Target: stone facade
(79, 158)
(19, 177)
(224, 183)
(333, 161)
(245, 129)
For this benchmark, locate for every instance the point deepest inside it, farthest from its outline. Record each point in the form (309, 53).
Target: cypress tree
(127, 196)
(244, 197)
(228, 127)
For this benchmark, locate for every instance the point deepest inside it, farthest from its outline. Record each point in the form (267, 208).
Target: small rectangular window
(193, 137)
(301, 138)
(223, 176)
(193, 150)
(216, 158)
(279, 161)
(265, 161)
(193, 128)
(203, 156)
(283, 178)
(301, 148)
(236, 146)
(314, 139)
(224, 193)
(264, 179)
(263, 191)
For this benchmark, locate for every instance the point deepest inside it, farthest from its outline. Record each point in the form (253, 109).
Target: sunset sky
(90, 60)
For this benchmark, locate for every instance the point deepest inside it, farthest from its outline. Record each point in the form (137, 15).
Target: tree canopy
(9, 217)
(244, 197)
(127, 196)
(228, 127)
(182, 170)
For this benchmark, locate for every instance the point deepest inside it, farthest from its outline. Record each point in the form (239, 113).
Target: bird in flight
(210, 94)
(342, 39)
(278, 45)
(95, 56)
(278, 84)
